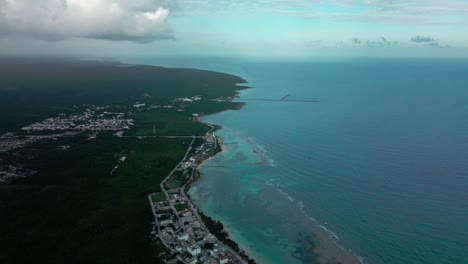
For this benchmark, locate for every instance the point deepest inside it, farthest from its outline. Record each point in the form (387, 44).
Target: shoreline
(221, 149)
(331, 247)
(247, 257)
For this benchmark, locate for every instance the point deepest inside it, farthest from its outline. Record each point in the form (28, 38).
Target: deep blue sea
(379, 166)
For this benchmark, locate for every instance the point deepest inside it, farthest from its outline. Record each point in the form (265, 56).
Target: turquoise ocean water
(381, 162)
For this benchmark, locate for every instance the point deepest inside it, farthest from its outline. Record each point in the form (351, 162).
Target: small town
(178, 224)
(177, 221)
(223, 99)
(92, 119)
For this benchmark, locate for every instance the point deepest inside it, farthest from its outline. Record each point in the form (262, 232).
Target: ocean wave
(332, 234)
(272, 183)
(272, 162)
(262, 153)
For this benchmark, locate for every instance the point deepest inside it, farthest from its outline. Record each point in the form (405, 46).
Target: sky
(243, 28)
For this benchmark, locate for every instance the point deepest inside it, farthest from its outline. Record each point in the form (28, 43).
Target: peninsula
(85, 144)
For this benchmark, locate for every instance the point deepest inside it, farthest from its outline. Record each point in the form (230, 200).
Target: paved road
(170, 136)
(172, 172)
(195, 211)
(169, 176)
(157, 223)
(163, 189)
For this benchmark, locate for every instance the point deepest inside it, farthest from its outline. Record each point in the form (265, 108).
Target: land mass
(82, 145)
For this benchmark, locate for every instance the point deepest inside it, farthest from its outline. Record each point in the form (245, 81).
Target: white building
(194, 250)
(184, 237)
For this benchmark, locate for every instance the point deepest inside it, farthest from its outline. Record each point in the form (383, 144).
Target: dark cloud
(389, 43)
(433, 44)
(383, 42)
(147, 38)
(428, 41)
(356, 41)
(421, 39)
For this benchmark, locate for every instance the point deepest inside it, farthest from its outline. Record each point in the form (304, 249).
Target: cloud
(389, 43)
(138, 21)
(420, 39)
(356, 41)
(409, 7)
(433, 44)
(425, 40)
(383, 42)
(398, 12)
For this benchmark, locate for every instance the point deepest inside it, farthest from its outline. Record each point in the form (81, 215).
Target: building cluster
(200, 153)
(9, 172)
(188, 100)
(10, 142)
(223, 99)
(161, 107)
(138, 105)
(178, 224)
(92, 119)
(184, 234)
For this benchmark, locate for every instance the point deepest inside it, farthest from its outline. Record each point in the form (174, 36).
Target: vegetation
(167, 211)
(53, 87)
(157, 197)
(164, 217)
(74, 205)
(217, 228)
(177, 180)
(74, 210)
(181, 207)
(166, 122)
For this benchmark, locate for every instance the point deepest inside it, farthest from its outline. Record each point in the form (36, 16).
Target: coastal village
(93, 120)
(177, 221)
(95, 144)
(88, 118)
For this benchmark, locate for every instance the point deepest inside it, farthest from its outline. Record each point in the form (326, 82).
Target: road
(157, 223)
(195, 211)
(163, 189)
(192, 207)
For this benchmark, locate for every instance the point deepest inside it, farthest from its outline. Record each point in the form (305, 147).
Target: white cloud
(139, 21)
(403, 12)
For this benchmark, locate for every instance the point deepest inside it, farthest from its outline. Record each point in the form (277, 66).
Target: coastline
(226, 234)
(156, 140)
(329, 247)
(222, 149)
